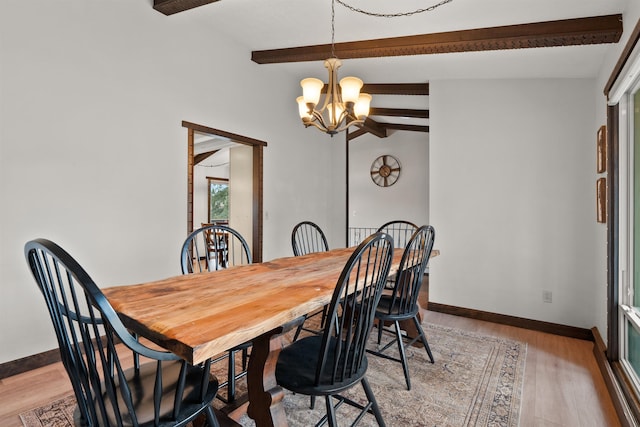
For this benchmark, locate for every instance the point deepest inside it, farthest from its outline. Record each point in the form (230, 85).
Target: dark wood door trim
(257, 203)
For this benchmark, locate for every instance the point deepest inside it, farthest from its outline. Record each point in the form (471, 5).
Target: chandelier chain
(333, 28)
(391, 15)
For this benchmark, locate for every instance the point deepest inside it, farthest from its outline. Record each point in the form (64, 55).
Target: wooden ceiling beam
(203, 156)
(374, 128)
(169, 7)
(381, 129)
(396, 88)
(566, 32)
(356, 133)
(398, 126)
(392, 88)
(399, 112)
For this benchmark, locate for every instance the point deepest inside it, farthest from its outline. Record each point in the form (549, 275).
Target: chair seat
(386, 311)
(297, 363)
(142, 386)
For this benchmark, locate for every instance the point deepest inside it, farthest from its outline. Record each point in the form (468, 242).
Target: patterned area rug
(476, 381)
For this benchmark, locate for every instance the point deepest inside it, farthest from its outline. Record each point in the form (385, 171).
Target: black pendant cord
(393, 15)
(333, 28)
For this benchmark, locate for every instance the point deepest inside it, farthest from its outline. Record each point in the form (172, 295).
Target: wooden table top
(198, 316)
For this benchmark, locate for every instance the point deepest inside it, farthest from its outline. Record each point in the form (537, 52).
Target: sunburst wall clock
(385, 170)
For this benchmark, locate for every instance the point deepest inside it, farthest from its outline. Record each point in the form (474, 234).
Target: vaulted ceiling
(398, 56)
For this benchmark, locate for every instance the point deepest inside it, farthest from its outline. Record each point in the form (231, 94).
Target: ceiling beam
(566, 32)
(374, 128)
(398, 126)
(356, 133)
(169, 7)
(396, 88)
(203, 156)
(392, 88)
(399, 112)
(381, 129)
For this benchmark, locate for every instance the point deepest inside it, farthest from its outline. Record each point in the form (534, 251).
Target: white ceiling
(277, 24)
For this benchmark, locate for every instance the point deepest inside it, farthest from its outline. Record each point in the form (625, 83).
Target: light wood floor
(562, 387)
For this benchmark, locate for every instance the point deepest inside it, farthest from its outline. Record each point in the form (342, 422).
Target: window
(623, 227)
(628, 307)
(218, 200)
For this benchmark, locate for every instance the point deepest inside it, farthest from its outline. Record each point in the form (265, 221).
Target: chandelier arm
(350, 123)
(344, 116)
(318, 118)
(317, 125)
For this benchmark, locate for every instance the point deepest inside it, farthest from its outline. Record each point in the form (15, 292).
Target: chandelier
(343, 104)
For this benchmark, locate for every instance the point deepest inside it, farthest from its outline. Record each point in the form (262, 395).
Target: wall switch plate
(547, 296)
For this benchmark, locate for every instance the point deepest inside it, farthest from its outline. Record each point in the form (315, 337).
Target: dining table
(198, 316)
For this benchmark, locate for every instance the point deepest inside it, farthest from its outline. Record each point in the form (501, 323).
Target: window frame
(211, 180)
(620, 82)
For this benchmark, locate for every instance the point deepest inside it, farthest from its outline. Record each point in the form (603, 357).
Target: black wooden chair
(400, 230)
(165, 391)
(213, 247)
(307, 238)
(210, 248)
(328, 364)
(402, 303)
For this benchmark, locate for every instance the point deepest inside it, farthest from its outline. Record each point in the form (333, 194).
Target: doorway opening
(245, 169)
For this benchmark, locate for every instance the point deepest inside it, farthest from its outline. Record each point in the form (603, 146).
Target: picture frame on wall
(601, 151)
(601, 200)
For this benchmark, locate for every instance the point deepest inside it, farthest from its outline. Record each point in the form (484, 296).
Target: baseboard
(34, 361)
(535, 325)
(627, 409)
(28, 363)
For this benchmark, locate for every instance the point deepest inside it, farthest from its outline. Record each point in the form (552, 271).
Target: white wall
(93, 154)
(408, 199)
(241, 191)
(513, 198)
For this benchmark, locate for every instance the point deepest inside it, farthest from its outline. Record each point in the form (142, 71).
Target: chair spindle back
(400, 230)
(404, 298)
(213, 247)
(351, 311)
(307, 238)
(88, 330)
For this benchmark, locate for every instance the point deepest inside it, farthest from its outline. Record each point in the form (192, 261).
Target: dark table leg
(265, 395)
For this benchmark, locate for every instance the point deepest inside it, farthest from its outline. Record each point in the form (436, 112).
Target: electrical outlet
(547, 296)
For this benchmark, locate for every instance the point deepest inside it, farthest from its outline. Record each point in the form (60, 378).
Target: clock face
(385, 170)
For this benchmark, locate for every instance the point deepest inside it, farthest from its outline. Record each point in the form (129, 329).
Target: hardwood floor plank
(562, 387)
(528, 405)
